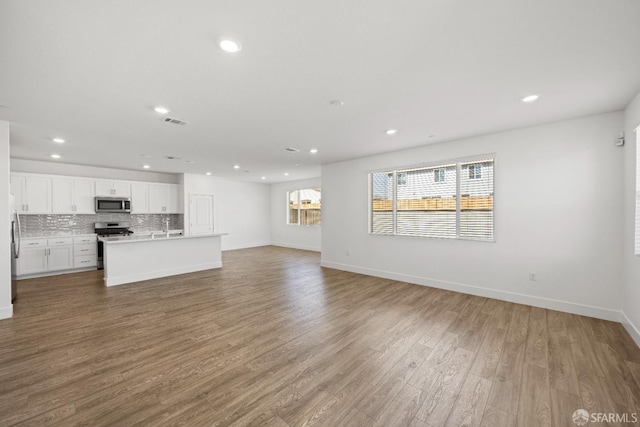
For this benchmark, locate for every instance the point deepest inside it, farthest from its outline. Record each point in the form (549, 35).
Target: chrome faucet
(166, 223)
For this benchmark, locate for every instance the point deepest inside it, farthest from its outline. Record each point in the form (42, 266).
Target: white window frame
(637, 217)
(458, 161)
(287, 218)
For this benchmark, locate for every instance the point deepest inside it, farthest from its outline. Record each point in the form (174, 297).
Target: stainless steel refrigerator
(15, 246)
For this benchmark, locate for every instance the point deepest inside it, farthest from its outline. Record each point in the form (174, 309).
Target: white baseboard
(243, 246)
(56, 273)
(633, 330)
(130, 278)
(295, 246)
(552, 304)
(6, 312)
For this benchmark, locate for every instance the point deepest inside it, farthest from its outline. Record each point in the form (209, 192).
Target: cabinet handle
(84, 250)
(27, 207)
(31, 244)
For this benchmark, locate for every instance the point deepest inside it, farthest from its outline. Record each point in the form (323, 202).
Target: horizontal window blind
(294, 199)
(426, 206)
(450, 200)
(382, 202)
(476, 199)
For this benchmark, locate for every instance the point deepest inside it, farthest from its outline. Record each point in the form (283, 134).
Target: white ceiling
(91, 71)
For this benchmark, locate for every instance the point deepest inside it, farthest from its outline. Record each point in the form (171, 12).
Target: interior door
(201, 214)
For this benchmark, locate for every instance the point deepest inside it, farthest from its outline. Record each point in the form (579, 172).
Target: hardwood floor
(273, 339)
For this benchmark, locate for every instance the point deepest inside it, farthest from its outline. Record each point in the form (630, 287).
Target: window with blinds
(452, 200)
(637, 191)
(304, 206)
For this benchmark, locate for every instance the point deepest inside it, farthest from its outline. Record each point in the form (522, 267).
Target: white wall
(34, 166)
(6, 308)
(631, 288)
(558, 210)
(239, 208)
(292, 236)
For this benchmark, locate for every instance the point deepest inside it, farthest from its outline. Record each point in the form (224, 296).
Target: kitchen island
(132, 259)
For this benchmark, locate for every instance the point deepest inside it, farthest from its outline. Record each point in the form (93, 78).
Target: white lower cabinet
(85, 251)
(39, 256)
(60, 258)
(32, 261)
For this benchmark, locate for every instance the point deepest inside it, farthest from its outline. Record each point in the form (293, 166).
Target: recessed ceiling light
(313, 150)
(190, 161)
(146, 166)
(55, 156)
(208, 173)
(336, 103)
(236, 166)
(145, 155)
(431, 136)
(391, 131)
(58, 140)
(286, 174)
(229, 44)
(530, 98)
(263, 177)
(161, 110)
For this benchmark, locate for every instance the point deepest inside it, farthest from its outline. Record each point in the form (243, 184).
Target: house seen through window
(304, 206)
(475, 171)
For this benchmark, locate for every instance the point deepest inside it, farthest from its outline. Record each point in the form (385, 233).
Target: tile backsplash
(51, 225)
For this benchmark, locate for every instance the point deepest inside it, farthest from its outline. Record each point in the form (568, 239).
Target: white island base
(128, 260)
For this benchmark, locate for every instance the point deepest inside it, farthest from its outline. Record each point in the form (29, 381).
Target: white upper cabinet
(17, 190)
(112, 188)
(45, 194)
(32, 193)
(84, 192)
(163, 198)
(173, 199)
(139, 198)
(73, 196)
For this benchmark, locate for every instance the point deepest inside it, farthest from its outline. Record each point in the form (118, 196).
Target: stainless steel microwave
(113, 204)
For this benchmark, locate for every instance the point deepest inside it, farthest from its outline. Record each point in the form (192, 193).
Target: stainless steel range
(106, 229)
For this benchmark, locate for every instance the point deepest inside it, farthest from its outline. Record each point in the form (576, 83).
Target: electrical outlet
(533, 277)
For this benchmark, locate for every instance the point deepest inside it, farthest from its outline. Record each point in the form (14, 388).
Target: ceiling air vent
(291, 150)
(174, 121)
(172, 157)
